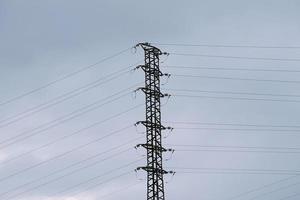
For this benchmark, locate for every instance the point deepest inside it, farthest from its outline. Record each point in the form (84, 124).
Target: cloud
(3, 156)
(58, 198)
(43, 40)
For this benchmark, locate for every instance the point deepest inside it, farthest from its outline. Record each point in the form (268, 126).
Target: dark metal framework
(153, 146)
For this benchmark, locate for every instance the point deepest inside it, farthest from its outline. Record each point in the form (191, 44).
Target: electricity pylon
(153, 145)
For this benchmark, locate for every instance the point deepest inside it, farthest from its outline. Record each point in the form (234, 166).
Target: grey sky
(44, 40)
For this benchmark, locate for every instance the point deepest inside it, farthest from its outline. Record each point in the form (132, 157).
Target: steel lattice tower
(153, 146)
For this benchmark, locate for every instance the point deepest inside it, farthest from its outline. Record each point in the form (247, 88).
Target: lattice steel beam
(153, 146)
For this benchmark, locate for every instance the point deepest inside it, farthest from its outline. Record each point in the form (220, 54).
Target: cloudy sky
(68, 107)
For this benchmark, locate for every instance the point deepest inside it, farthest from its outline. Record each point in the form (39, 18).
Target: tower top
(148, 47)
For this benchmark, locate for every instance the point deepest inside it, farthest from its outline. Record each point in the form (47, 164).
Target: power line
(53, 158)
(235, 57)
(62, 78)
(237, 129)
(71, 165)
(230, 69)
(61, 98)
(235, 78)
(235, 169)
(276, 190)
(101, 183)
(100, 176)
(70, 173)
(49, 127)
(227, 46)
(237, 132)
(233, 124)
(236, 98)
(237, 151)
(234, 173)
(229, 92)
(63, 119)
(45, 107)
(58, 156)
(128, 186)
(234, 147)
(262, 187)
(68, 136)
(290, 196)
